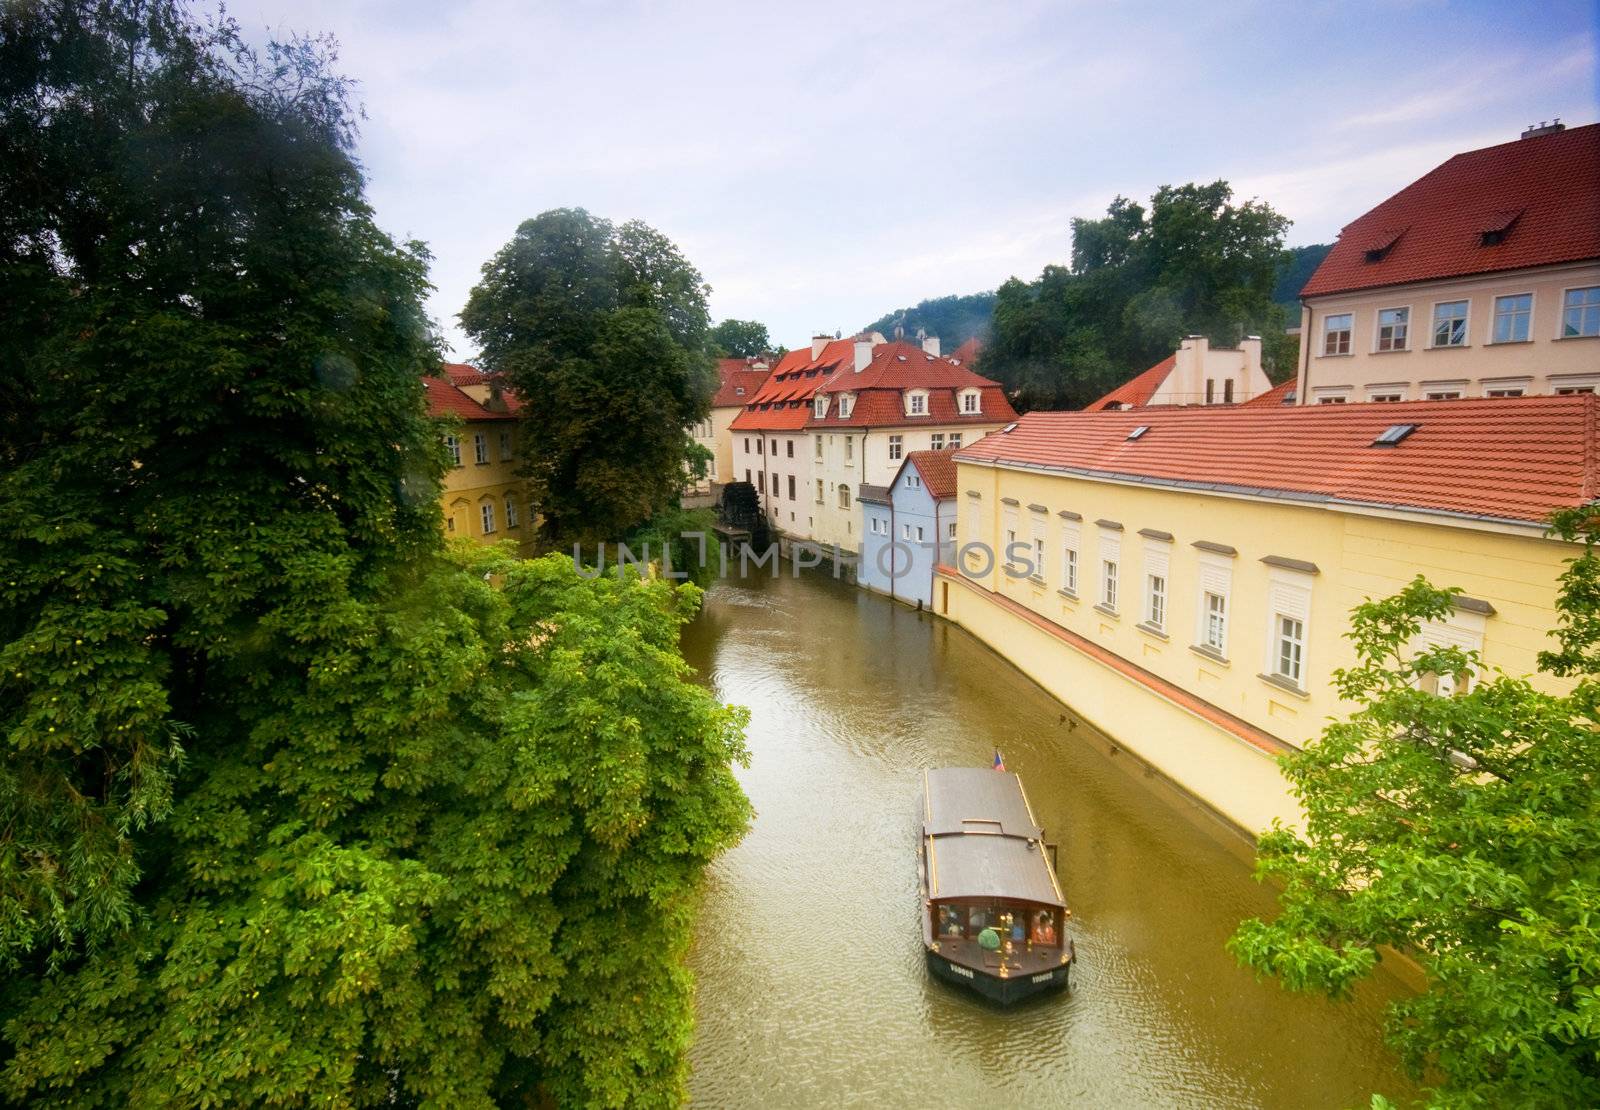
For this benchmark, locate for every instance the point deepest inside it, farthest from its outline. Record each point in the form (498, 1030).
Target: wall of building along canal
(1236, 779)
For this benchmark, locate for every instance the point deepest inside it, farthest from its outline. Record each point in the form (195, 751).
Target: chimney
(1251, 346)
(817, 343)
(1543, 128)
(863, 352)
(930, 345)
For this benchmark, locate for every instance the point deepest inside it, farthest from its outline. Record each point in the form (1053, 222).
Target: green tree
(741, 339)
(296, 805)
(954, 319)
(1464, 832)
(1140, 279)
(603, 330)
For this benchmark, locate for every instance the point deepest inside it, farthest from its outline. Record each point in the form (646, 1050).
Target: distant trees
(1138, 280)
(741, 339)
(602, 330)
(297, 806)
(954, 319)
(1298, 266)
(1463, 832)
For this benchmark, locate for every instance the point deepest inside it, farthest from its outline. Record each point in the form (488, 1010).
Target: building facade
(738, 380)
(909, 528)
(1195, 374)
(482, 497)
(1480, 279)
(1187, 587)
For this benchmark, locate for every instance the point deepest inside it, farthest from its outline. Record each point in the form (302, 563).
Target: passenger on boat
(950, 922)
(1044, 929)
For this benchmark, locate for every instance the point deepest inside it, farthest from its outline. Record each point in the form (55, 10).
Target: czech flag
(999, 764)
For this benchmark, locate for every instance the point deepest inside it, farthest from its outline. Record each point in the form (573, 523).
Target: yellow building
(738, 380)
(483, 497)
(1183, 577)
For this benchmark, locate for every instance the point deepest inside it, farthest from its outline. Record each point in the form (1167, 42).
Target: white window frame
(1215, 579)
(1038, 524)
(917, 402)
(844, 495)
(896, 447)
(1404, 325)
(847, 404)
(1462, 629)
(1008, 536)
(486, 517)
(819, 446)
(452, 444)
(1494, 316)
(955, 440)
(971, 402)
(905, 531)
(1433, 325)
(1288, 596)
(513, 517)
(1329, 331)
(819, 406)
(849, 451)
(936, 441)
(1110, 550)
(1157, 582)
(1071, 543)
(819, 491)
(1561, 319)
(480, 448)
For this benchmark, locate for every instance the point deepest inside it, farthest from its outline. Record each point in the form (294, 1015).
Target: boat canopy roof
(982, 839)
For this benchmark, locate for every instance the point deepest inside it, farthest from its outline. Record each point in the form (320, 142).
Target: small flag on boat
(999, 764)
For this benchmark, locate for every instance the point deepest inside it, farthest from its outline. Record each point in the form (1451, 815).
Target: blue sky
(823, 163)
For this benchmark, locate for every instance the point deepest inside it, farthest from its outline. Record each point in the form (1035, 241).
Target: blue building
(908, 527)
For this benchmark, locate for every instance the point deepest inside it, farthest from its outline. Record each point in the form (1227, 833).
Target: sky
(824, 163)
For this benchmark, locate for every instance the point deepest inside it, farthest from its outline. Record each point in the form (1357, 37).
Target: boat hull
(1003, 991)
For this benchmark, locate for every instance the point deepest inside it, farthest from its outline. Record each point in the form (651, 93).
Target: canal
(811, 987)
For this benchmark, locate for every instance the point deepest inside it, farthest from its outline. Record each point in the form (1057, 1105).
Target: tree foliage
(1298, 265)
(1464, 832)
(1139, 279)
(954, 319)
(603, 330)
(741, 339)
(297, 805)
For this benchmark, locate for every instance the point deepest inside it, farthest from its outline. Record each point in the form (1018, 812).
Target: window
(1069, 570)
(1444, 395)
(919, 534)
(879, 526)
(937, 440)
(452, 444)
(846, 403)
(1215, 633)
(746, 445)
(819, 491)
(788, 448)
(513, 518)
(913, 481)
(950, 530)
(1227, 392)
(487, 510)
(774, 485)
(1336, 334)
(1513, 317)
(895, 446)
(1570, 390)
(1108, 583)
(761, 446)
(821, 407)
(1291, 648)
(1513, 391)
(1038, 557)
(1580, 312)
(1155, 608)
(1333, 399)
(505, 446)
(955, 439)
(1450, 324)
(480, 447)
(1394, 324)
(1386, 397)
(844, 496)
(917, 404)
(791, 487)
(970, 401)
(905, 531)
(849, 450)
(773, 449)
(1211, 390)
(819, 447)
(747, 474)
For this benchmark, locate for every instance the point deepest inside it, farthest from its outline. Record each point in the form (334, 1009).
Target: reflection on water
(812, 990)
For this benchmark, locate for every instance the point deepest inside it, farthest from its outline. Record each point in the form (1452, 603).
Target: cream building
(1481, 279)
(1195, 374)
(1186, 587)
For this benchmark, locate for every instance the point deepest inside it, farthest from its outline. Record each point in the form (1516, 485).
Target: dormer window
(971, 401)
(917, 402)
(847, 404)
(821, 406)
(1498, 226)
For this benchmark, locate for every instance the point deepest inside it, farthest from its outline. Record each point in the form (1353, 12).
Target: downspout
(1303, 375)
(938, 543)
(894, 560)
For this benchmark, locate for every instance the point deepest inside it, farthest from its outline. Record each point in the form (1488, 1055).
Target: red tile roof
(445, 399)
(738, 382)
(1137, 390)
(1513, 459)
(897, 367)
(460, 373)
(1543, 193)
(1276, 397)
(783, 404)
(965, 354)
(938, 470)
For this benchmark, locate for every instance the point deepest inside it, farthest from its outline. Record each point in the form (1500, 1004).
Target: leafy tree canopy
(296, 805)
(954, 319)
(1463, 832)
(1297, 268)
(1140, 279)
(603, 330)
(741, 339)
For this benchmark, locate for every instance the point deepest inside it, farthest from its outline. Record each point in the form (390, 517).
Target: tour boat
(993, 918)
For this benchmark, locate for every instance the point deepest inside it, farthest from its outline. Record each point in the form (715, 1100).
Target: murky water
(812, 989)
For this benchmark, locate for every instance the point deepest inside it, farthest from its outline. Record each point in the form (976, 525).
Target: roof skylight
(1139, 431)
(1393, 434)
